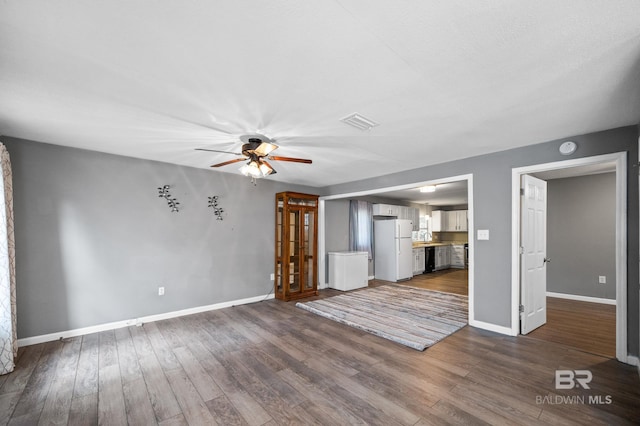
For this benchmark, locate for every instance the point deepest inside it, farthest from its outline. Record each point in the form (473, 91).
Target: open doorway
(460, 191)
(581, 291)
(440, 242)
(585, 256)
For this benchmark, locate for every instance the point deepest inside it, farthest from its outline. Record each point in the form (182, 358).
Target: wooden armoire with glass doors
(296, 260)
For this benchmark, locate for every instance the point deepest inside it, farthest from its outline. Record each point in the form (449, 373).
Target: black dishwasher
(430, 260)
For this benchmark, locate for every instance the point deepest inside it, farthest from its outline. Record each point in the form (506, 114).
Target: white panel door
(533, 281)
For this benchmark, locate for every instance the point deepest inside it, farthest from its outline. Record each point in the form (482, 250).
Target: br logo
(569, 379)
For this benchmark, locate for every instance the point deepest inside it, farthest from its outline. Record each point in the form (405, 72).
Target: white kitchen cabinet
(442, 257)
(385, 210)
(400, 212)
(457, 256)
(412, 214)
(439, 261)
(403, 212)
(454, 221)
(450, 222)
(461, 220)
(438, 221)
(418, 261)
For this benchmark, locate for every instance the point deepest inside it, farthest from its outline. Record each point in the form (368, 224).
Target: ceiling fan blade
(265, 148)
(229, 162)
(294, 160)
(273, 171)
(215, 150)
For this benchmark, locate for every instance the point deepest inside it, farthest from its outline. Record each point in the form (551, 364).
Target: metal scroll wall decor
(164, 193)
(213, 203)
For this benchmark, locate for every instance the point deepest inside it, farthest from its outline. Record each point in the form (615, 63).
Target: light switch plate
(483, 234)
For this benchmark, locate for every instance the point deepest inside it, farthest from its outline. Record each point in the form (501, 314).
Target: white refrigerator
(393, 252)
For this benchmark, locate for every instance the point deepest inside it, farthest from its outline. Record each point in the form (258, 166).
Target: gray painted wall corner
(492, 210)
(581, 235)
(94, 241)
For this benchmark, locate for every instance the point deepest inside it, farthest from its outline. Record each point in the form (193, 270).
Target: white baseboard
(325, 286)
(633, 360)
(372, 277)
(491, 327)
(582, 298)
(27, 341)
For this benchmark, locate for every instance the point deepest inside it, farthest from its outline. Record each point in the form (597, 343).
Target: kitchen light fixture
(428, 188)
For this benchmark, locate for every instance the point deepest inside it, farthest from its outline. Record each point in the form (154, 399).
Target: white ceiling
(445, 80)
(446, 194)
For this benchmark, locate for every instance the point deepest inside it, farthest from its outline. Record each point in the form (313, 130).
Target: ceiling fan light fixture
(256, 151)
(428, 188)
(256, 169)
(265, 169)
(251, 169)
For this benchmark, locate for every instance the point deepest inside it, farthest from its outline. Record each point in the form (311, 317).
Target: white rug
(411, 316)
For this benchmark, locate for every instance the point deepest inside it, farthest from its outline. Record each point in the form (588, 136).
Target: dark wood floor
(586, 326)
(272, 363)
(448, 280)
(589, 327)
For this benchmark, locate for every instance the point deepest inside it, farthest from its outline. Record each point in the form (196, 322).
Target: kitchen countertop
(449, 243)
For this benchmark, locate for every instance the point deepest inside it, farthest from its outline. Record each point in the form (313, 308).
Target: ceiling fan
(257, 150)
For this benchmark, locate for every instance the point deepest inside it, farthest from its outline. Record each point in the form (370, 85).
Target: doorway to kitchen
(462, 276)
(572, 298)
(439, 238)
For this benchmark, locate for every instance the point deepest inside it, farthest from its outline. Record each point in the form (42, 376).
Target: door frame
(322, 229)
(620, 160)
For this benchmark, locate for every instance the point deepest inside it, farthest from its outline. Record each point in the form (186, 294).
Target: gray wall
(94, 242)
(581, 235)
(337, 228)
(492, 211)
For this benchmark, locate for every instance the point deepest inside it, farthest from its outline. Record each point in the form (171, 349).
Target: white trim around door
(620, 160)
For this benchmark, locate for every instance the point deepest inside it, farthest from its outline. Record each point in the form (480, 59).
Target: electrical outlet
(272, 277)
(160, 291)
(602, 279)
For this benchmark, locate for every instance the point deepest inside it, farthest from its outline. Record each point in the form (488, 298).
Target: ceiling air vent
(359, 122)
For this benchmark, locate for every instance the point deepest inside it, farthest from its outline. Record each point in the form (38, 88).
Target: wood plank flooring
(448, 280)
(587, 326)
(271, 363)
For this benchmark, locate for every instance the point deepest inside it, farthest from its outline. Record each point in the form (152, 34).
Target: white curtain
(361, 227)
(8, 335)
